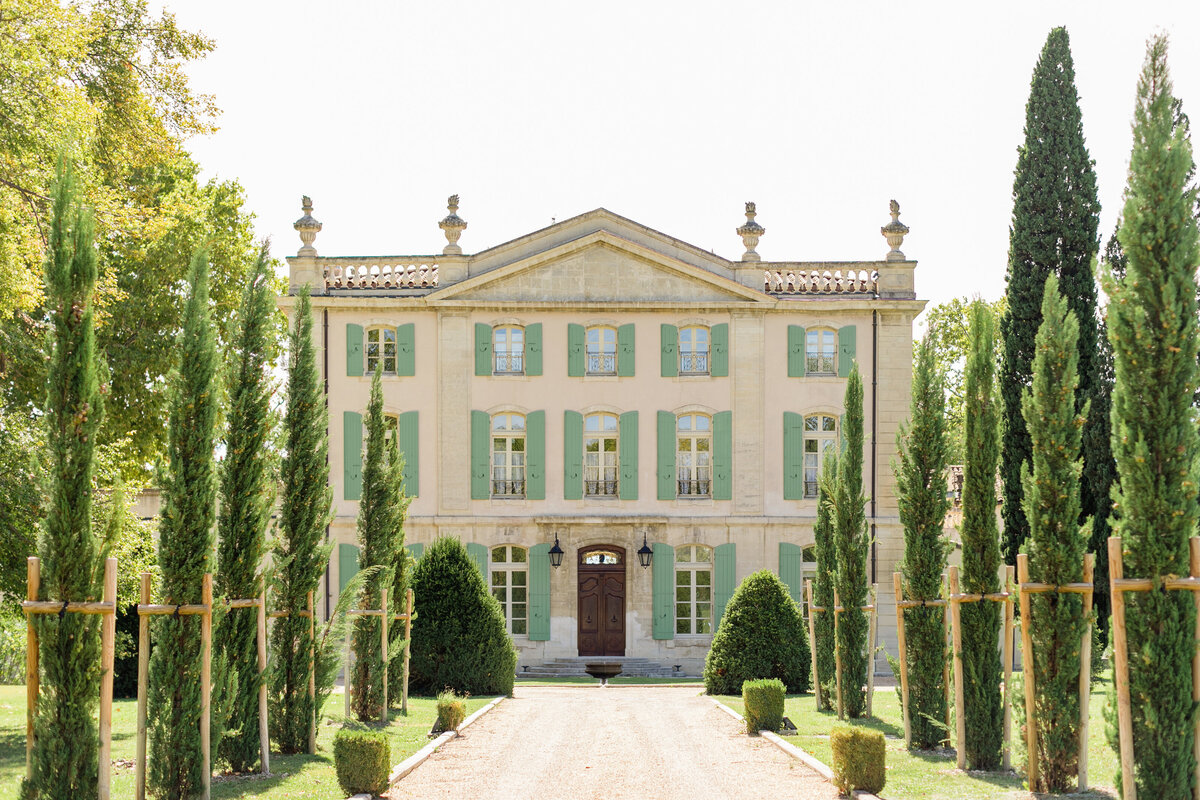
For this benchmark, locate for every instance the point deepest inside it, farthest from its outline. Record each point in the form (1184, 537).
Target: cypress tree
(826, 555)
(247, 494)
(1054, 232)
(851, 542)
(1057, 541)
(1152, 328)
(185, 550)
(303, 514)
(981, 550)
(921, 496)
(66, 745)
(394, 481)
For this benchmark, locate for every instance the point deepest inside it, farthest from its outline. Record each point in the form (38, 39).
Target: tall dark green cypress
(852, 542)
(247, 495)
(921, 495)
(66, 744)
(1057, 541)
(826, 555)
(1054, 232)
(1153, 330)
(981, 549)
(394, 481)
(304, 513)
(185, 550)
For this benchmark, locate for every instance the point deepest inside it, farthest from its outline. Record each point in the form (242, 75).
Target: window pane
(518, 444)
(703, 577)
(703, 625)
(704, 554)
(683, 625)
(683, 578)
(810, 423)
(499, 595)
(810, 445)
(499, 556)
(389, 364)
(704, 610)
(518, 594)
(683, 610)
(685, 422)
(702, 445)
(518, 557)
(683, 594)
(519, 577)
(518, 610)
(702, 593)
(828, 423)
(702, 422)
(518, 626)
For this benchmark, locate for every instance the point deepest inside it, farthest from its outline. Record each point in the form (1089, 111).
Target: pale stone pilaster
(455, 367)
(746, 362)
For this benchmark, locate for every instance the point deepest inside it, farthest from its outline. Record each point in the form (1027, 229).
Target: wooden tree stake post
(143, 679)
(902, 643)
(959, 701)
(264, 735)
(383, 637)
(1085, 667)
(1006, 650)
(837, 653)
(873, 624)
(812, 639)
(947, 646)
(206, 600)
(108, 640)
(1116, 572)
(1194, 558)
(1027, 672)
(312, 676)
(408, 618)
(33, 567)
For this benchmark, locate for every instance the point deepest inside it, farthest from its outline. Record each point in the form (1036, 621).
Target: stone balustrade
(793, 280)
(375, 273)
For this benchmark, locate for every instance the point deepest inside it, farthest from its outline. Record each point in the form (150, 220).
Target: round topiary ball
(761, 635)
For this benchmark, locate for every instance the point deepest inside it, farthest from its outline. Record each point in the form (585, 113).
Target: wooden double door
(601, 609)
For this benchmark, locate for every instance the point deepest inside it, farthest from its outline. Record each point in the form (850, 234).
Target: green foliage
(299, 557)
(64, 757)
(852, 542)
(459, 640)
(981, 550)
(763, 700)
(859, 759)
(826, 555)
(921, 496)
(185, 551)
(12, 649)
(247, 494)
(21, 502)
(362, 760)
(451, 711)
(762, 635)
(1153, 331)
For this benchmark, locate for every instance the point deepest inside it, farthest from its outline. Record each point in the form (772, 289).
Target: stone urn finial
(894, 232)
(453, 226)
(750, 233)
(308, 228)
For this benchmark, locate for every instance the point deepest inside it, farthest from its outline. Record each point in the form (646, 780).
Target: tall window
(820, 436)
(820, 352)
(381, 349)
(510, 586)
(693, 456)
(600, 455)
(601, 351)
(508, 350)
(508, 455)
(693, 589)
(693, 350)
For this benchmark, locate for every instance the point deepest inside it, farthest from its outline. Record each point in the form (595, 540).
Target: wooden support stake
(312, 676)
(837, 654)
(949, 656)
(1085, 667)
(408, 615)
(902, 641)
(1006, 652)
(33, 574)
(1194, 553)
(383, 637)
(206, 599)
(1116, 571)
(142, 684)
(108, 637)
(871, 637)
(959, 701)
(264, 735)
(346, 679)
(1027, 673)
(812, 640)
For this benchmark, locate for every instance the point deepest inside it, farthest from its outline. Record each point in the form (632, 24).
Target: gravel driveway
(583, 742)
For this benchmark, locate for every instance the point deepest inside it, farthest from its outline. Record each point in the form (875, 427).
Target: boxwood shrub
(362, 760)
(763, 700)
(858, 759)
(451, 711)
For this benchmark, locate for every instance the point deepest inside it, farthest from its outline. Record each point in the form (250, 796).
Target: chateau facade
(597, 388)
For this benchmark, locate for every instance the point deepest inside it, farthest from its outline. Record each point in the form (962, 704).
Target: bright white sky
(670, 113)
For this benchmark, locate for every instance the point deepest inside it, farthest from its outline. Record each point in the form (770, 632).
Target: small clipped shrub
(451, 711)
(363, 761)
(763, 700)
(761, 635)
(858, 759)
(459, 641)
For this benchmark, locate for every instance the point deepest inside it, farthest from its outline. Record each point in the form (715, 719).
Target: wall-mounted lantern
(645, 554)
(556, 553)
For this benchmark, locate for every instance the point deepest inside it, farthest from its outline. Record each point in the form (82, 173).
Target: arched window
(601, 351)
(509, 570)
(820, 351)
(693, 589)
(693, 350)
(508, 350)
(508, 455)
(820, 437)
(600, 455)
(381, 349)
(693, 455)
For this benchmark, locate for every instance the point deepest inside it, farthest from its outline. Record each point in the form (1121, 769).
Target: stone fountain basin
(603, 669)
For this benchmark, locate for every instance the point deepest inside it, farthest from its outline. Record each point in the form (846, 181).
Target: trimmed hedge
(763, 700)
(858, 759)
(451, 711)
(761, 636)
(363, 760)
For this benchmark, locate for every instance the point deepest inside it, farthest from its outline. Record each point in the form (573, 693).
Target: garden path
(584, 742)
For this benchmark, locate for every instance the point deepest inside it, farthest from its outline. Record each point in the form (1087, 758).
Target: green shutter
(795, 353)
(479, 554)
(481, 455)
(625, 351)
(718, 365)
(627, 442)
(725, 580)
(347, 565)
(408, 442)
(406, 350)
(539, 593)
(535, 455)
(847, 349)
(575, 336)
(664, 591)
(572, 455)
(722, 477)
(533, 349)
(417, 550)
(793, 456)
(483, 348)
(669, 337)
(791, 569)
(666, 456)
(352, 438)
(354, 350)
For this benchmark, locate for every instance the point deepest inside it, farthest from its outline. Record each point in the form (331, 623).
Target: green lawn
(933, 776)
(300, 776)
